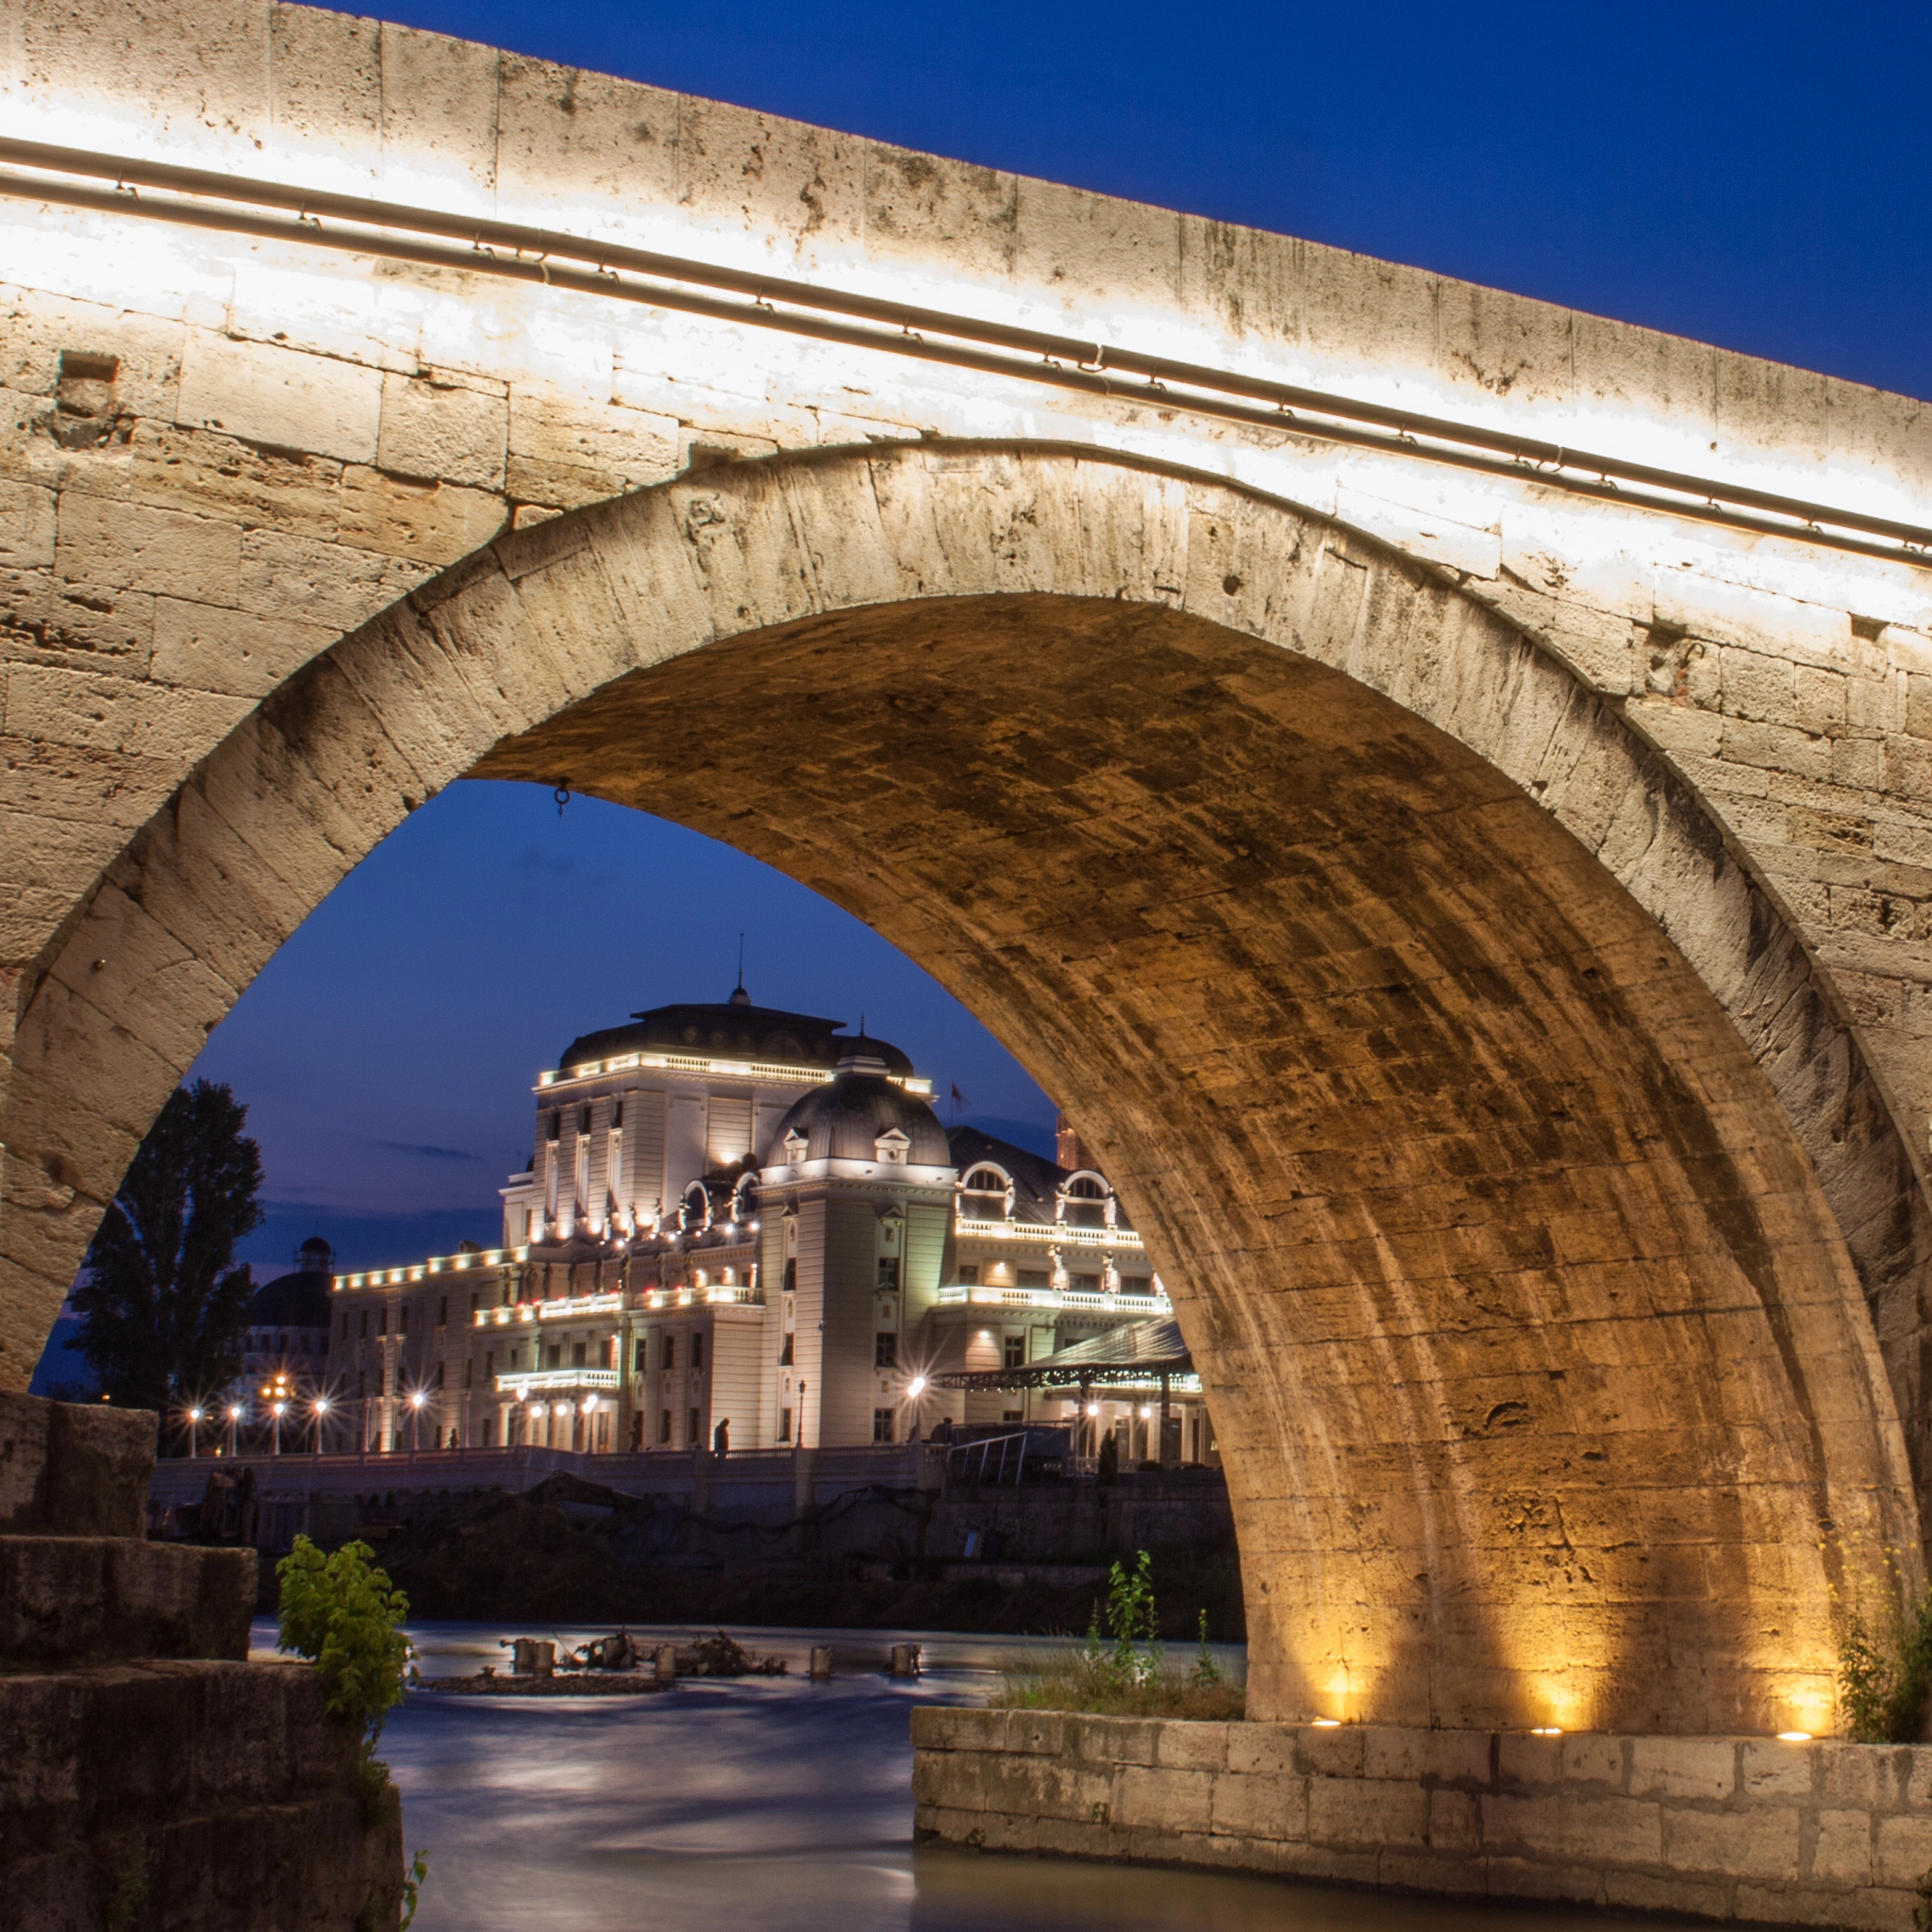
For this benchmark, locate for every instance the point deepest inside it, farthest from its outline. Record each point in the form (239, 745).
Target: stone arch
(1531, 1212)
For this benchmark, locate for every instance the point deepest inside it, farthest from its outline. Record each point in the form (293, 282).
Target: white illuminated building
(743, 1228)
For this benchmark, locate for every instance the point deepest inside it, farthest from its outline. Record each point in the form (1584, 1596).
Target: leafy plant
(1883, 1685)
(1132, 1622)
(344, 1614)
(1205, 1671)
(412, 1888)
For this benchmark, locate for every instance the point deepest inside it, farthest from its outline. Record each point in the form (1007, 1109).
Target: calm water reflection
(773, 1805)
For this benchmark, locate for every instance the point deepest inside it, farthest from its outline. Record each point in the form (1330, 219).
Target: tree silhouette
(162, 1304)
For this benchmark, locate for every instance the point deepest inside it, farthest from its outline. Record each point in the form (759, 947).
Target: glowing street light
(320, 1408)
(193, 1430)
(278, 1409)
(234, 1422)
(417, 1398)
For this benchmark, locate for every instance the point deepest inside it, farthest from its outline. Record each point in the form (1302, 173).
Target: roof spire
(739, 996)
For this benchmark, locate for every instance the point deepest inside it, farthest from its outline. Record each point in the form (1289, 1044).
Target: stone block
(74, 1469)
(1762, 1841)
(427, 522)
(1367, 1812)
(1767, 1769)
(1146, 1799)
(282, 397)
(1902, 1851)
(26, 526)
(1841, 1853)
(1625, 1831)
(1270, 1807)
(1035, 1731)
(443, 432)
(75, 1600)
(1458, 1756)
(1262, 1749)
(1181, 1745)
(1455, 1822)
(1337, 1753)
(1683, 1768)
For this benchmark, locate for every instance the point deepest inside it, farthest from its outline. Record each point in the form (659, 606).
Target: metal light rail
(69, 178)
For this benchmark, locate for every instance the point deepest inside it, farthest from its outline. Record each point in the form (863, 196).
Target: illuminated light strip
(610, 1303)
(1047, 1233)
(520, 1385)
(693, 1064)
(200, 198)
(437, 1264)
(1075, 1298)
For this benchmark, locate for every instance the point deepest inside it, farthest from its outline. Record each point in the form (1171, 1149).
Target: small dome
(845, 1118)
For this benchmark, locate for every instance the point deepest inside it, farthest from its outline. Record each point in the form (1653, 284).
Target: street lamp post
(321, 1410)
(193, 1430)
(281, 1409)
(417, 1398)
(234, 1422)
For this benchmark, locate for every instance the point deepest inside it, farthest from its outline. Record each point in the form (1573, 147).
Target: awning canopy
(1137, 1354)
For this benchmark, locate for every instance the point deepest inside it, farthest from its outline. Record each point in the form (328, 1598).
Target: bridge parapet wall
(1722, 1828)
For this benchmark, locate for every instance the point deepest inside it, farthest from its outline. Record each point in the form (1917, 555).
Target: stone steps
(82, 1600)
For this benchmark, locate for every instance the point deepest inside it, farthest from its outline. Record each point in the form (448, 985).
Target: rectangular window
(1014, 1415)
(889, 1274)
(1035, 1278)
(640, 1355)
(442, 1313)
(405, 1329)
(784, 1426)
(577, 1355)
(381, 1322)
(1016, 1351)
(664, 1427)
(671, 1351)
(691, 1441)
(785, 1351)
(1084, 1284)
(438, 1375)
(473, 1308)
(697, 1351)
(489, 1431)
(967, 1273)
(556, 1355)
(346, 1325)
(792, 1274)
(882, 1426)
(469, 1375)
(885, 1351)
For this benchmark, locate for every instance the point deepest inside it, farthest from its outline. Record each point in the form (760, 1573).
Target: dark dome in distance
(844, 1118)
(291, 1301)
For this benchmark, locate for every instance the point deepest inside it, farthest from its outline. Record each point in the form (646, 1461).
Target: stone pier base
(152, 1779)
(1725, 1829)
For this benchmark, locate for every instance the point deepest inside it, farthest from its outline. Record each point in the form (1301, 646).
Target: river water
(777, 1805)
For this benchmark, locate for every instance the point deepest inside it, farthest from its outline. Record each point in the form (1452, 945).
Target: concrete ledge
(80, 1600)
(1823, 1833)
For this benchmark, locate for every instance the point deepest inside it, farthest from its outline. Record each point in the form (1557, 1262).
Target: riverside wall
(1752, 1829)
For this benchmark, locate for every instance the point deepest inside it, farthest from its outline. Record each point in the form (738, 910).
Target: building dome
(845, 1118)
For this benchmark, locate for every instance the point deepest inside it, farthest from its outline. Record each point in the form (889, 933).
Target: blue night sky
(1755, 176)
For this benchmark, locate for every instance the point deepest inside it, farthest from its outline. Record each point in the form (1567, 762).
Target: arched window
(983, 1192)
(695, 1212)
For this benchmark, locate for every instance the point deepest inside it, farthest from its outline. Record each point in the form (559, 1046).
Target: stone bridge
(1439, 786)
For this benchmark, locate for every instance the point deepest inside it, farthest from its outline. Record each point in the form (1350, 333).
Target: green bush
(344, 1614)
(1882, 1686)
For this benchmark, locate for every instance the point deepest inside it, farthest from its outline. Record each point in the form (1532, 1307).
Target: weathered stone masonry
(1481, 925)
(1748, 1828)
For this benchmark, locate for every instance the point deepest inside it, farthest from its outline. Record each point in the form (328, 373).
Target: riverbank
(540, 1556)
(779, 1802)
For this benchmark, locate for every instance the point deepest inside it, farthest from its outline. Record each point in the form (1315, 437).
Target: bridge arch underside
(1536, 1256)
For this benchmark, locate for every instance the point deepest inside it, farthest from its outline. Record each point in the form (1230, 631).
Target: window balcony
(557, 1381)
(1045, 1234)
(1077, 1300)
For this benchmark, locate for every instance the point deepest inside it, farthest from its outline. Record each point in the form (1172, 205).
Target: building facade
(741, 1228)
